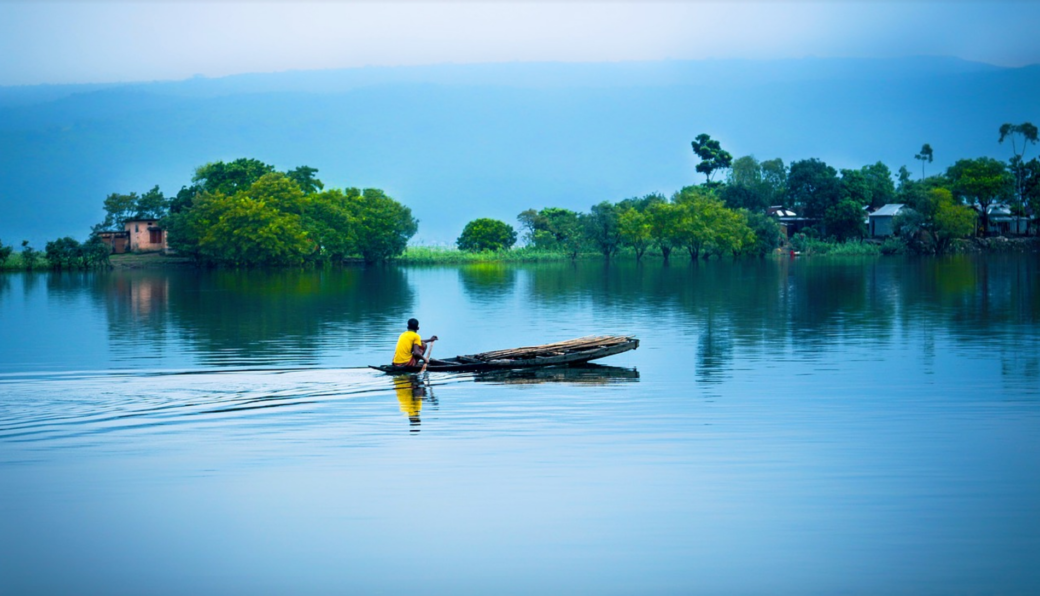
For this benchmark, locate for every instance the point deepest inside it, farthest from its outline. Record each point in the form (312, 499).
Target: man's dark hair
(413, 324)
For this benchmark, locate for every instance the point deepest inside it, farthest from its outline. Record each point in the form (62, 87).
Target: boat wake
(46, 406)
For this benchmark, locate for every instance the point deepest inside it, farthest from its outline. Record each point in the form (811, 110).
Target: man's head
(413, 324)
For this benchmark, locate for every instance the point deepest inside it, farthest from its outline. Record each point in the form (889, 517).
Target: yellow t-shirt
(404, 346)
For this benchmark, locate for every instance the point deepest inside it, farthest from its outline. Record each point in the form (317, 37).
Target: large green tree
(554, 228)
(247, 228)
(664, 226)
(845, 220)
(636, 230)
(384, 226)
(747, 186)
(635, 222)
(486, 234)
(602, 228)
(938, 218)
(813, 187)
(982, 182)
(706, 227)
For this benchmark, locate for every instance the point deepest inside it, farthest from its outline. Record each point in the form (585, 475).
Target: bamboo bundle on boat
(555, 349)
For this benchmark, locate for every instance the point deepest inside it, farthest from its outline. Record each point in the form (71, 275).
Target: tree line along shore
(245, 213)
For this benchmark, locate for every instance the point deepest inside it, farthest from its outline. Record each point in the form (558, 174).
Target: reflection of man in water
(411, 349)
(410, 392)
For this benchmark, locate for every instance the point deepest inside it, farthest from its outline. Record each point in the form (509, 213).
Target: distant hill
(456, 142)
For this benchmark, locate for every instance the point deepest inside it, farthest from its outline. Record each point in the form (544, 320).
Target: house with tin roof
(879, 223)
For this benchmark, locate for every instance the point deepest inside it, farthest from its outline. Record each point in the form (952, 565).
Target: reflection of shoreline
(587, 374)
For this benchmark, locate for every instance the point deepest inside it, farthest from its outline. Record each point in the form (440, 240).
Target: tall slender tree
(713, 156)
(1027, 134)
(926, 155)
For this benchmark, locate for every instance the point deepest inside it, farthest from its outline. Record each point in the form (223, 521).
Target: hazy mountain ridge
(464, 141)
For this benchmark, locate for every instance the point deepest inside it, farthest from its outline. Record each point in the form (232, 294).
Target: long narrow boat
(574, 351)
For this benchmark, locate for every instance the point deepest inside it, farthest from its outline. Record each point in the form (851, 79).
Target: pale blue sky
(79, 42)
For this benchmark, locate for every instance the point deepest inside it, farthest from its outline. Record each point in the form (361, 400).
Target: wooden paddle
(427, 360)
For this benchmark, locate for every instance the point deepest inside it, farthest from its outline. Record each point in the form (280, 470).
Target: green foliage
(602, 228)
(1030, 176)
(706, 227)
(5, 253)
(893, 246)
(431, 255)
(766, 231)
(30, 256)
(936, 224)
(636, 230)
(869, 186)
(282, 219)
(95, 252)
(64, 253)
(925, 156)
(1026, 133)
(486, 234)
(982, 181)
(384, 226)
(950, 220)
(247, 229)
(909, 224)
(664, 226)
(807, 245)
(229, 178)
(846, 220)
(774, 174)
(554, 228)
(120, 208)
(713, 157)
(151, 205)
(635, 222)
(813, 187)
(749, 187)
(331, 220)
(304, 177)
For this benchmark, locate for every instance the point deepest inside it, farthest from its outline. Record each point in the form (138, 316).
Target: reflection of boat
(592, 374)
(574, 351)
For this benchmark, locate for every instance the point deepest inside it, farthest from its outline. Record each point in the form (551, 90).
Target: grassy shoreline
(443, 255)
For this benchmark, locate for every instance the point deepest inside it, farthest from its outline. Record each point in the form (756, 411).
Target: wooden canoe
(575, 351)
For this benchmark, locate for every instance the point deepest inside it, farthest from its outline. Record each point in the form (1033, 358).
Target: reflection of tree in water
(488, 281)
(714, 353)
(249, 317)
(808, 304)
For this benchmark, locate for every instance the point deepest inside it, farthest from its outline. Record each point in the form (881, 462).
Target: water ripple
(41, 407)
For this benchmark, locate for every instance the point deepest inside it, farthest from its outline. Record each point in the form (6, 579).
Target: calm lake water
(786, 427)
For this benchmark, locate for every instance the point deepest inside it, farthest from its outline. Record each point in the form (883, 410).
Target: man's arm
(420, 351)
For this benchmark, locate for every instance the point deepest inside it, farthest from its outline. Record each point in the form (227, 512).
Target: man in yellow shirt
(411, 349)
